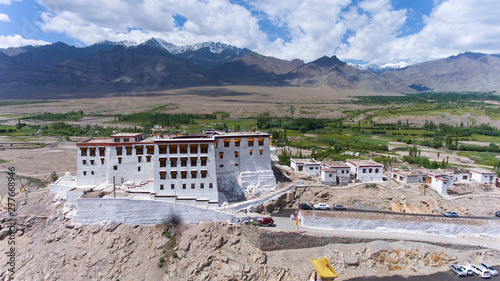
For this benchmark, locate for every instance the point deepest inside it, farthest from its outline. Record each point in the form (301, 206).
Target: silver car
(490, 268)
(457, 270)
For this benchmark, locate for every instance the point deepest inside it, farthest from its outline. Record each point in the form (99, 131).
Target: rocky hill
(464, 72)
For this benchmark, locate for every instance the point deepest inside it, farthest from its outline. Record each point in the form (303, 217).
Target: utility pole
(114, 189)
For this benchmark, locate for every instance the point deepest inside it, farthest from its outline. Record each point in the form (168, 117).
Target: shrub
(160, 265)
(174, 254)
(162, 259)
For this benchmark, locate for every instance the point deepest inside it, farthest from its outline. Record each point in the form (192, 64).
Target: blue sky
(364, 31)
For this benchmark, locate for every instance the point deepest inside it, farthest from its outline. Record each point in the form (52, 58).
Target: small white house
(483, 176)
(366, 170)
(461, 175)
(407, 177)
(335, 172)
(308, 166)
(440, 182)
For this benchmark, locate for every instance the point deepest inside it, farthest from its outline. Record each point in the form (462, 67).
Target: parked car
(321, 206)
(338, 207)
(305, 206)
(467, 270)
(457, 270)
(481, 271)
(450, 214)
(490, 268)
(267, 221)
(497, 214)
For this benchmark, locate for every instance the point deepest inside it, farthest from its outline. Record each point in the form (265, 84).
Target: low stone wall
(427, 225)
(145, 212)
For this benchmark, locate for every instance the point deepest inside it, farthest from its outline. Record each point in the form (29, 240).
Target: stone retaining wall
(145, 212)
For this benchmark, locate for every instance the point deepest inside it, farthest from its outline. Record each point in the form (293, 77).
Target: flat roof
(132, 135)
(364, 163)
(336, 164)
(305, 161)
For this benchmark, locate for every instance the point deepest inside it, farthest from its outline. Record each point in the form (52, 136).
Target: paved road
(285, 224)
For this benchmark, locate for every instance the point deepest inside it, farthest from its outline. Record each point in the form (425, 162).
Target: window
(184, 161)
(251, 151)
(119, 150)
(261, 151)
(183, 149)
(117, 140)
(192, 186)
(236, 154)
(203, 174)
(204, 148)
(119, 160)
(216, 143)
(250, 142)
(173, 174)
(221, 165)
(139, 169)
(261, 142)
(92, 172)
(150, 149)
(311, 168)
(161, 187)
(125, 140)
(84, 162)
(172, 149)
(221, 155)
(370, 170)
(139, 150)
(92, 151)
(203, 161)
(184, 174)
(84, 173)
(237, 142)
(226, 143)
(84, 151)
(139, 158)
(129, 150)
(163, 175)
(193, 148)
(194, 161)
(173, 162)
(330, 175)
(202, 185)
(172, 186)
(115, 167)
(464, 177)
(236, 164)
(148, 158)
(163, 162)
(183, 186)
(162, 149)
(376, 170)
(102, 161)
(91, 162)
(364, 171)
(193, 174)
(210, 185)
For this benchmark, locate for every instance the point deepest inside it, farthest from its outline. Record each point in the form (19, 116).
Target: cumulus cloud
(4, 17)
(365, 30)
(17, 40)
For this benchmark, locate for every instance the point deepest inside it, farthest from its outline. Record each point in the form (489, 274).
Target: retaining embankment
(145, 212)
(428, 225)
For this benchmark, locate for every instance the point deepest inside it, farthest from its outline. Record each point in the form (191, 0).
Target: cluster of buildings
(199, 169)
(340, 173)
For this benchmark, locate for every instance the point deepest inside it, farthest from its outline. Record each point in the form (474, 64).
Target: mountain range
(60, 70)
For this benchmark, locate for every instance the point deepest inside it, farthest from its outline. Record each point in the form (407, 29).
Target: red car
(267, 221)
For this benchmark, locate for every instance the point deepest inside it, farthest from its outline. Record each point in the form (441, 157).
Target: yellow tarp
(324, 268)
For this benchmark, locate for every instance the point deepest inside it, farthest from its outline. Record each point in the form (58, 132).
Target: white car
(321, 206)
(490, 268)
(467, 269)
(457, 269)
(481, 271)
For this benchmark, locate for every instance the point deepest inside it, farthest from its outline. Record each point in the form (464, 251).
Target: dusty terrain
(53, 248)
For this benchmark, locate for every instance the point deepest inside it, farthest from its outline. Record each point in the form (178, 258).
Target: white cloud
(368, 30)
(7, 2)
(4, 17)
(17, 40)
